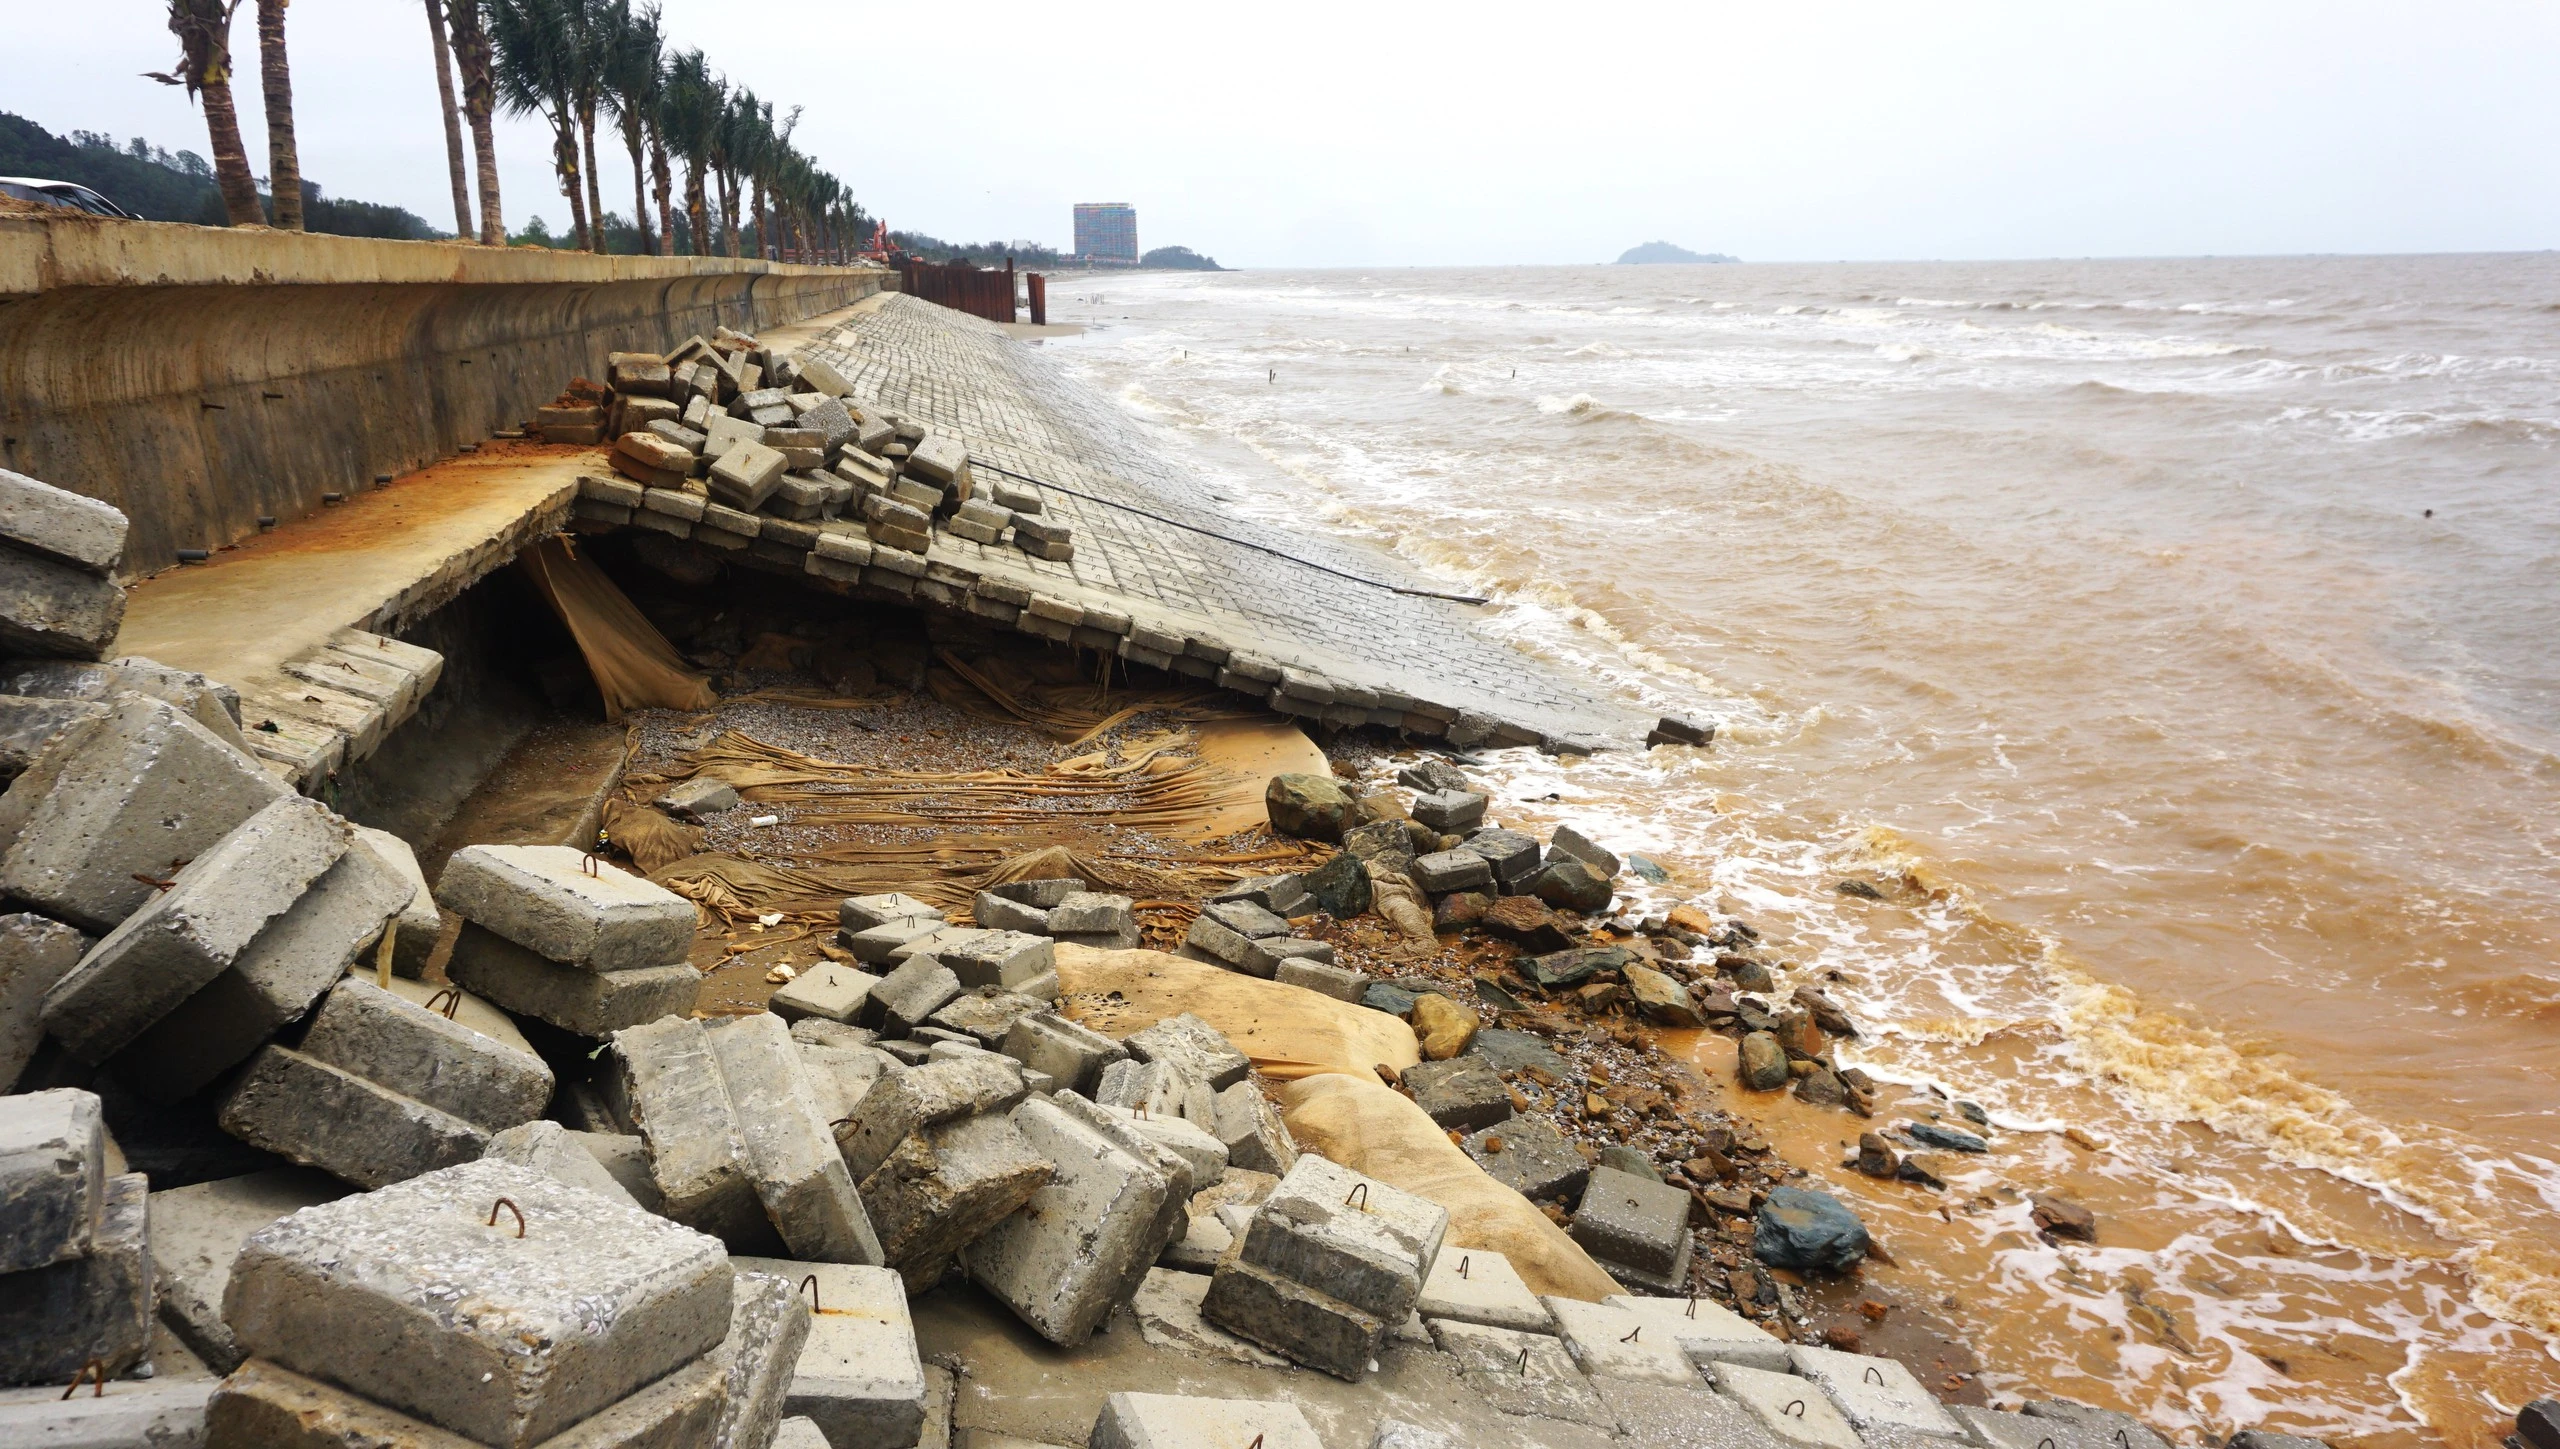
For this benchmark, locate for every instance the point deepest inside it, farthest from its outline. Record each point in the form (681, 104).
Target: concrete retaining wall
(198, 377)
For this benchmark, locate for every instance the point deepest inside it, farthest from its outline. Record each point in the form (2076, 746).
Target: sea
(2175, 645)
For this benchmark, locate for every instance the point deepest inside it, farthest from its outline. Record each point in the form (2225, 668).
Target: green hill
(1662, 251)
(161, 185)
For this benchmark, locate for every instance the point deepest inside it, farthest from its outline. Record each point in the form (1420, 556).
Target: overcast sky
(1322, 133)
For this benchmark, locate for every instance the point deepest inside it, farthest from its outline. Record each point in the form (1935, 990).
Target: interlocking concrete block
(555, 1151)
(360, 1292)
(907, 1101)
(53, 1153)
(272, 983)
(909, 996)
(542, 898)
(1167, 1421)
(1159, 1089)
(67, 528)
(54, 610)
(986, 1015)
(1352, 1236)
(998, 913)
(745, 474)
(1612, 1343)
(1633, 1221)
(1659, 1416)
(1246, 918)
(791, 1155)
(35, 953)
(1998, 1429)
(671, 1083)
(2121, 1430)
(1446, 871)
(829, 991)
(274, 1408)
(196, 1233)
(1200, 1150)
(400, 1045)
(878, 945)
(1251, 1130)
(1790, 1408)
(1523, 1373)
(1450, 812)
(310, 1112)
(1342, 983)
(1708, 1331)
(1071, 1054)
(1462, 1093)
(1529, 1156)
(98, 1306)
(1194, 1048)
(1874, 1393)
(943, 1187)
(1009, 959)
(1082, 1240)
(590, 1003)
(1479, 1285)
(858, 1379)
(159, 1415)
(193, 932)
(421, 925)
(1304, 1324)
(768, 1327)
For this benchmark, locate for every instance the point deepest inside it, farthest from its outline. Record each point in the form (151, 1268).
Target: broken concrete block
(1194, 1048)
(97, 1306)
(196, 1233)
(1478, 1285)
(986, 1015)
(590, 1003)
(56, 611)
(28, 726)
(406, 1048)
(542, 898)
(829, 991)
(1167, 1421)
(214, 705)
(673, 1087)
(790, 1153)
(310, 1112)
(943, 1187)
(907, 1101)
(136, 794)
(56, 524)
(1173, 1222)
(1252, 1132)
(1635, 1223)
(1786, 1406)
(1529, 1156)
(1512, 855)
(360, 1291)
(1167, 1308)
(1282, 895)
(1708, 1332)
(1874, 1393)
(1342, 983)
(698, 799)
(35, 953)
(1084, 1238)
(53, 1152)
(275, 1408)
(858, 1378)
(1158, 1089)
(1072, 1054)
(193, 931)
(878, 945)
(421, 925)
(768, 1329)
(1524, 1373)
(555, 1151)
(1305, 1324)
(1570, 844)
(1461, 1094)
(1659, 1416)
(997, 913)
(908, 996)
(1444, 872)
(1612, 1343)
(160, 1415)
(1245, 918)
(273, 982)
(1351, 1236)
(1010, 959)
(1200, 1151)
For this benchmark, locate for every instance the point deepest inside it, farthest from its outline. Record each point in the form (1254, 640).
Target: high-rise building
(1107, 233)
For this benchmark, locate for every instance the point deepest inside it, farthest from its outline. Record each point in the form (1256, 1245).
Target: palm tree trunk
(284, 161)
(452, 122)
(764, 223)
(664, 185)
(697, 211)
(729, 212)
(564, 159)
(595, 190)
(479, 99)
(230, 157)
(639, 184)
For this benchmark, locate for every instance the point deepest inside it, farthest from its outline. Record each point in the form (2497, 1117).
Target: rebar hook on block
(510, 1205)
(1875, 1376)
(94, 1372)
(1523, 1366)
(1631, 1334)
(451, 997)
(1462, 1266)
(809, 1285)
(1359, 1190)
(1795, 1407)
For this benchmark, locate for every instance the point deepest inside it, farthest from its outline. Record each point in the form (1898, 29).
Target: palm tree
(452, 121)
(284, 160)
(733, 150)
(690, 117)
(591, 31)
(634, 55)
(536, 62)
(660, 182)
(203, 28)
(472, 57)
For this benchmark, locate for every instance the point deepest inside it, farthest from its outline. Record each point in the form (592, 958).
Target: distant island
(1182, 259)
(1658, 251)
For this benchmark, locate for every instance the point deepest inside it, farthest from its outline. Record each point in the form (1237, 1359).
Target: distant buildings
(1107, 233)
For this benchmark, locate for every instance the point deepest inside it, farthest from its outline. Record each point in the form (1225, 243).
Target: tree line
(578, 65)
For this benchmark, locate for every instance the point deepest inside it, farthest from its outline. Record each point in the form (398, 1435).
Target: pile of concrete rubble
(719, 440)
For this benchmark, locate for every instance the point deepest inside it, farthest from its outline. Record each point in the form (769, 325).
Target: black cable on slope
(976, 463)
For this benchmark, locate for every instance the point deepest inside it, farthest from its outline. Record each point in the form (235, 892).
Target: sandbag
(633, 664)
(1362, 1124)
(1289, 1031)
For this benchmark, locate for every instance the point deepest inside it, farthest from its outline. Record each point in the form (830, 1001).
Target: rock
(2264, 1439)
(1529, 922)
(1432, 774)
(1820, 1088)
(1459, 910)
(1825, 1012)
(1450, 812)
(1571, 885)
(1383, 840)
(2538, 1424)
(1925, 1168)
(1517, 1051)
(1661, 999)
(1388, 997)
(698, 799)
(1876, 1157)
(1648, 870)
(1747, 974)
(1798, 1037)
(1670, 730)
(1800, 1228)
(1858, 888)
(1570, 844)
(1442, 1026)
(1310, 807)
(1763, 1065)
(1618, 1157)
(1939, 1135)
(2064, 1218)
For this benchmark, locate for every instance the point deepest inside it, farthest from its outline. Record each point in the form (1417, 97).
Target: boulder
(1763, 1065)
(1310, 807)
(1442, 1026)
(1799, 1228)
